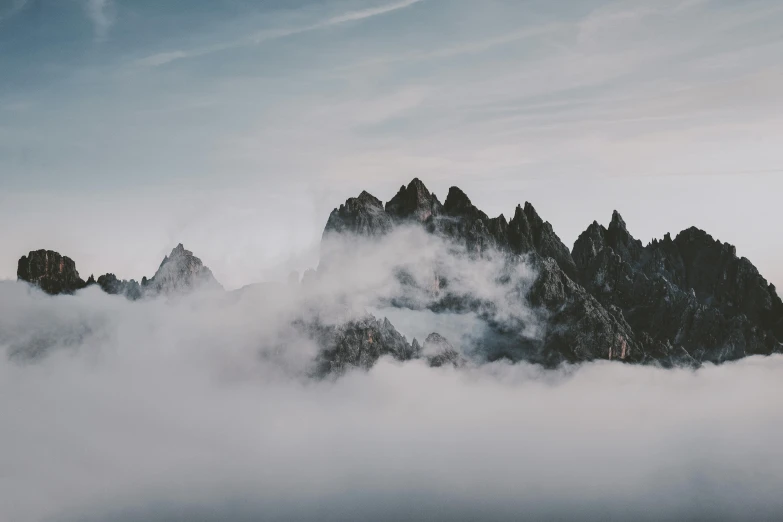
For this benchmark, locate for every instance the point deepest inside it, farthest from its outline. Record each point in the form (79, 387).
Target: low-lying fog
(181, 410)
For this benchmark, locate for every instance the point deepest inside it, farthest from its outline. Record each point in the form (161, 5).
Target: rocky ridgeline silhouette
(677, 301)
(179, 272)
(681, 301)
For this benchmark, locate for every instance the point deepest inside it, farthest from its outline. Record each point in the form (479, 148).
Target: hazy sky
(235, 126)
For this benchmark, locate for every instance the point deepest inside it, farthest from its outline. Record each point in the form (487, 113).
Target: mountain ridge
(179, 272)
(672, 302)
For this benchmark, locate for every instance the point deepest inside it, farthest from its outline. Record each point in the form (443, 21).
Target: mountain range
(680, 301)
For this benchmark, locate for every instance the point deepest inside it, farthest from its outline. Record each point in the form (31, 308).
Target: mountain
(672, 302)
(51, 272)
(681, 301)
(180, 272)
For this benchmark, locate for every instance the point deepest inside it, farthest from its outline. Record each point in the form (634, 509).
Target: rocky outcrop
(50, 271)
(181, 272)
(110, 284)
(357, 343)
(528, 232)
(465, 224)
(690, 298)
(577, 327)
(438, 352)
(415, 203)
(363, 216)
(677, 301)
(596, 238)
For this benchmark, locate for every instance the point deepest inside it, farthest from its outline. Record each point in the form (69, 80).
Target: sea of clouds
(202, 408)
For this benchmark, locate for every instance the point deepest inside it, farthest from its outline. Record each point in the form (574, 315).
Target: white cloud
(163, 58)
(164, 410)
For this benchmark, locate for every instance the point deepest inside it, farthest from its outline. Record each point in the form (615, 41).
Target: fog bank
(180, 410)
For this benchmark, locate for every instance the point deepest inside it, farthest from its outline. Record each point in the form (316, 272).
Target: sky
(235, 126)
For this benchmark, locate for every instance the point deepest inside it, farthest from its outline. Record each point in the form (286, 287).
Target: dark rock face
(578, 327)
(51, 272)
(414, 202)
(673, 302)
(593, 240)
(687, 298)
(363, 216)
(525, 233)
(465, 224)
(111, 285)
(528, 232)
(357, 344)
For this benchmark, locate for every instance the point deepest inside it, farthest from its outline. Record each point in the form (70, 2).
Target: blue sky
(235, 126)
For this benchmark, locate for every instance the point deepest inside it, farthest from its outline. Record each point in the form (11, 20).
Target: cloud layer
(198, 409)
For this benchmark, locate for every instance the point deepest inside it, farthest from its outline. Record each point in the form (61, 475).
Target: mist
(201, 408)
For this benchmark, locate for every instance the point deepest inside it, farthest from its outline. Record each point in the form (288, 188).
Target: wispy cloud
(451, 51)
(165, 57)
(154, 60)
(368, 13)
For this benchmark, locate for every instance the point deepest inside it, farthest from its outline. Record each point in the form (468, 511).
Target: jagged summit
(691, 292)
(414, 202)
(457, 202)
(181, 272)
(363, 215)
(617, 221)
(597, 237)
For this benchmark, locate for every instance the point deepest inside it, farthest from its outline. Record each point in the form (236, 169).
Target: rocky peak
(464, 223)
(617, 222)
(439, 352)
(719, 278)
(596, 237)
(532, 215)
(528, 232)
(50, 271)
(181, 272)
(588, 245)
(458, 204)
(623, 243)
(363, 215)
(357, 343)
(366, 199)
(414, 202)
